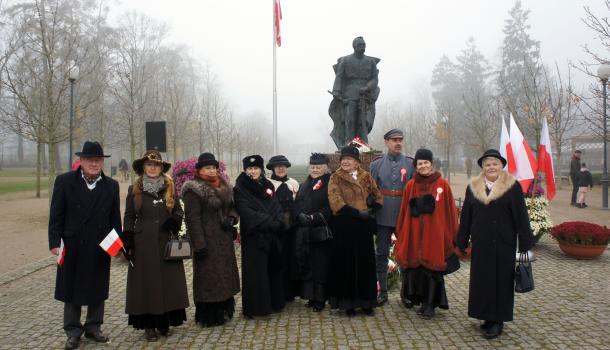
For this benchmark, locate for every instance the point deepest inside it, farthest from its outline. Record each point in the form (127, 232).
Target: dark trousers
(72, 324)
(383, 240)
(574, 191)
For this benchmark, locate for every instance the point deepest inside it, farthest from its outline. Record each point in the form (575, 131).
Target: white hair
(325, 170)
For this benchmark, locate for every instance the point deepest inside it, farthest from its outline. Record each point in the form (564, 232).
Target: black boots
(494, 330)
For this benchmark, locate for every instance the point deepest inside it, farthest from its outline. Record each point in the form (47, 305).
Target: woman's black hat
(206, 159)
(423, 154)
(492, 153)
(253, 160)
(278, 160)
(92, 149)
(318, 159)
(350, 151)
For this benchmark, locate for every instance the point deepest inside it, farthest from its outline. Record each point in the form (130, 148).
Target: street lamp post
(72, 77)
(603, 72)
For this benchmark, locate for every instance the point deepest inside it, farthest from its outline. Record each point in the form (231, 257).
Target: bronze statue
(354, 94)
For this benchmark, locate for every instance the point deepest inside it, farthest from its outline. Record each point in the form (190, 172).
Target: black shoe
(97, 336)
(350, 312)
(421, 309)
(407, 303)
(369, 311)
(382, 299)
(150, 335)
(164, 332)
(72, 343)
(485, 325)
(428, 312)
(318, 306)
(494, 330)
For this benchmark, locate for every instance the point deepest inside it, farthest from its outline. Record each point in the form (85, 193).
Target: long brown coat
(344, 190)
(215, 277)
(154, 286)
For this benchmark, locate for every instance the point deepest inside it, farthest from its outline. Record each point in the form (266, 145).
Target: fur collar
(501, 186)
(214, 197)
(257, 188)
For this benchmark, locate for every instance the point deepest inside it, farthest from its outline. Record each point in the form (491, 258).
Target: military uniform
(391, 172)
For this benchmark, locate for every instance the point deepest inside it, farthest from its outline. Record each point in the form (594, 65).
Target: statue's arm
(339, 73)
(374, 81)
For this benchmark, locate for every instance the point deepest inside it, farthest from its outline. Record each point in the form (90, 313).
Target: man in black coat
(84, 209)
(574, 173)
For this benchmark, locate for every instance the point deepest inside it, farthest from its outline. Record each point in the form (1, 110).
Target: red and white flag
(506, 150)
(112, 243)
(277, 17)
(62, 253)
(525, 161)
(545, 160)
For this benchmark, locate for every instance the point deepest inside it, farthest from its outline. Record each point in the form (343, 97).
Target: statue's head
(359, 45)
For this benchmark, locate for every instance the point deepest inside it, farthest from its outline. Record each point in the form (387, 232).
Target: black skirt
(214, 314)
(171, 318)
(416, 287)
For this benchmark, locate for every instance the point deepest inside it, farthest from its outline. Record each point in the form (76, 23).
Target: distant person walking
(574, 174)
(468, 164)
(124, 169)
(585, 181)
(84, 209)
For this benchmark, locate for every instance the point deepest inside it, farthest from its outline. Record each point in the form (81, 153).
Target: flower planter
(582, 251)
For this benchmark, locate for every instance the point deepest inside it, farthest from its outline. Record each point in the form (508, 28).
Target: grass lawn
(18, 172)
(25, 185)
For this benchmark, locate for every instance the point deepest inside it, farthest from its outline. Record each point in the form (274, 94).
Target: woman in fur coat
(156, 289)
(353, 195)
(493, 216)
(261, 227)
(425, 232)
(210, 217)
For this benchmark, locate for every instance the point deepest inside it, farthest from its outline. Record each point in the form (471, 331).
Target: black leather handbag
(524, 277)
(320, 233)
(178, 248)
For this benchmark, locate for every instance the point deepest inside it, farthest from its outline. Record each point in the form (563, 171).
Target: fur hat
(318, 159)
(278, 160)
(150, 155)
(350, 151)
(423, 154)
(492, 153)
(206, 159)
(253, 160)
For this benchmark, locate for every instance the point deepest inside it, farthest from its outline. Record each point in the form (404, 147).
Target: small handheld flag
(112, 243)
(62, 253)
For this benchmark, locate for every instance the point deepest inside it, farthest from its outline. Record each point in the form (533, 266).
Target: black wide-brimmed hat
(491, 153)
(278, 160)
(92, 149)
(423, 154)
(253, 160)
(350, 151)
(318, 159)
(153, 156)
(206, 159)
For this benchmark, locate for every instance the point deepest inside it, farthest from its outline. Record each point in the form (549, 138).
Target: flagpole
(274, 83)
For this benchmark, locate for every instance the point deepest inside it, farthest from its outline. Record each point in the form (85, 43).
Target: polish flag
(506, 150)
(525, 161)
(545, 160)
(62, 253)
(277, 16)
(112, 243)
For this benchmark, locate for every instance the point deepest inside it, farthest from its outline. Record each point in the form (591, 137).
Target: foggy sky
(235, 37)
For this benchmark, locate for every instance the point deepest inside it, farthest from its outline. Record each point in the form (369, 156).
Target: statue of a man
(354, 94)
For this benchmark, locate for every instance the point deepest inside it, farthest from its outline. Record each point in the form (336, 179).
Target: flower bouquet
(540, 219)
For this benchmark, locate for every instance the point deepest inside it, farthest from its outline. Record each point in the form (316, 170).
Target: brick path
(570, 309)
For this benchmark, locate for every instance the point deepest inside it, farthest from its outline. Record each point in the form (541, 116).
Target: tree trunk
(51, 169)
(20, 156)
(39, 152)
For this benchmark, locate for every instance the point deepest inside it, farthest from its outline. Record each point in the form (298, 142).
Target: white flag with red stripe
(545, 160)
(112, 243)
(506, 150)
(62, 253)
(277, 17)
(525, 161)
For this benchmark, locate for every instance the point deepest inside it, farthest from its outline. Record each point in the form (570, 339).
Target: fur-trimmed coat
(154, 285)
(215, 276)
(428, 239)
(344, 190)
(492, 221)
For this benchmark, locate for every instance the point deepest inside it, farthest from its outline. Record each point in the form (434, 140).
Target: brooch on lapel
(438, 193)
(403, 175)
(269, 192)
(157, 201)
(318, 185)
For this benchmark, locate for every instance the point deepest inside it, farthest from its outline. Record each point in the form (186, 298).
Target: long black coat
(262, 284)
(154, 285)
(83, 218)
(493, 222)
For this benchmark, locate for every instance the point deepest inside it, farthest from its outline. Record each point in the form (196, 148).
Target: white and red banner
(545, 160)
(62, 253)
(112, 243)
(506, 150)
(277, 17)
(525, 161)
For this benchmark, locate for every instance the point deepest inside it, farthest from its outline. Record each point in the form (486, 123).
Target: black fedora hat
(491, 153)
(151, 155)
(204, 159)
(278, 160)
(92, 149)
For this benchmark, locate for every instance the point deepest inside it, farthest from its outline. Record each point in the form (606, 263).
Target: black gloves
(228, 223)
(349, 211)
(304, 219)
(171, 225)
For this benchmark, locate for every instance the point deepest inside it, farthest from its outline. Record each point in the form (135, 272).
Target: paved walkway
(570, 309)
